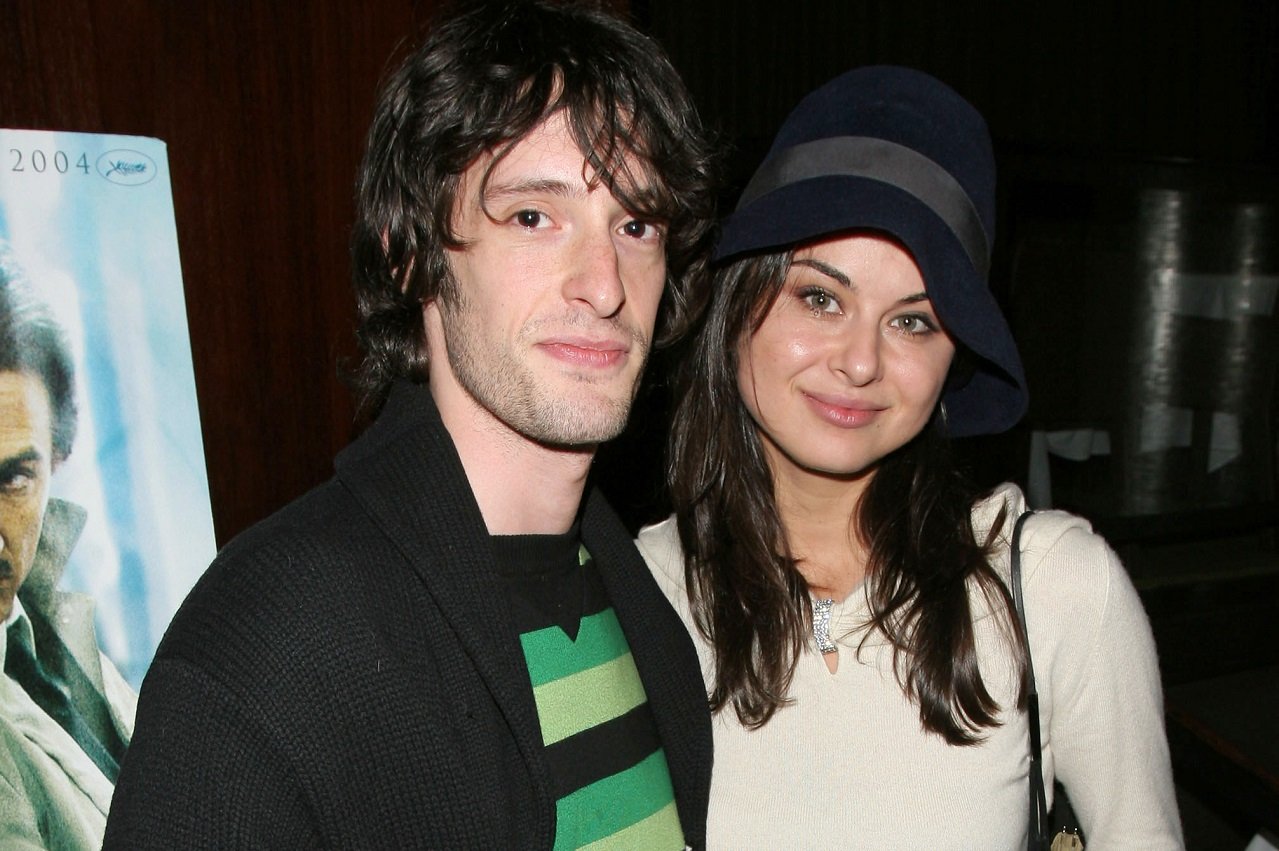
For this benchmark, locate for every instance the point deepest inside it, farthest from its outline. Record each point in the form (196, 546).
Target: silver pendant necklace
(821, 625)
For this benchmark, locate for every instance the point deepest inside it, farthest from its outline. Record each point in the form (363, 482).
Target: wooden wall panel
(264, 106)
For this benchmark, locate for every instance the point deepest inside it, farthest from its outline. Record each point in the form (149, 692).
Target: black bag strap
(1037, 837)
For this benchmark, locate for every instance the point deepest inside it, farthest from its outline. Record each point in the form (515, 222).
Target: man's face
(26, 460)
(558, 287)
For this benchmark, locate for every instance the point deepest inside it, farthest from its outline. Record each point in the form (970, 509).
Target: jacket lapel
(406, 474)
(665, 658)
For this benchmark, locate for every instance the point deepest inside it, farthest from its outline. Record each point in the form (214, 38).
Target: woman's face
(849, 362)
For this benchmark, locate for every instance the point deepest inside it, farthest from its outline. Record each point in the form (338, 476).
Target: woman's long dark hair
(747, 596)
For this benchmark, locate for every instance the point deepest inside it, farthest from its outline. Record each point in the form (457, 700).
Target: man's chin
(582, 426)
(585, 439)
(580, 438)
(566, 413)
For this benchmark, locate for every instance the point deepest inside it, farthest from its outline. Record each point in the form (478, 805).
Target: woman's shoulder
(1046, 534)
(1064, 562)
(659, 545)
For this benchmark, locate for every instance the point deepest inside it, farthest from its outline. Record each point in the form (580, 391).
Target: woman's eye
(914, 325)
(529, 218)
(819, 300)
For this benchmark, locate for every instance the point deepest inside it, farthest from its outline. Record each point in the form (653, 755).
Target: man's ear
(432, 322)
(434, 342)
(405, 278)
(401, 277)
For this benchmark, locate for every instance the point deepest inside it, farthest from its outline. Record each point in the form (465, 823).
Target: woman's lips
(844, 412)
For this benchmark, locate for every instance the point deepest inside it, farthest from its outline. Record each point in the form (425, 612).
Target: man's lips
(842, 411)
(581, 351)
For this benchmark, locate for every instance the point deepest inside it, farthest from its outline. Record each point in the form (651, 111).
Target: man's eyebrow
(530, 186)
(27, 456)
(827, 270)
(650, 200)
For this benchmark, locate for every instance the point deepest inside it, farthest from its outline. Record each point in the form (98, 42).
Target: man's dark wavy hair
(31, 342)
(483, 79)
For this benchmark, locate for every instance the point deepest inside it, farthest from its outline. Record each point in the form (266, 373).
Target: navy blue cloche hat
(895, 150)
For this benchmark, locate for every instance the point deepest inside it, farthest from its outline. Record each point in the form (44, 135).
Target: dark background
(264, 105)
(1168, 78)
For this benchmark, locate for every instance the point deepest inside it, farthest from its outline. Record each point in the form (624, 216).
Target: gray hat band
(886, 162)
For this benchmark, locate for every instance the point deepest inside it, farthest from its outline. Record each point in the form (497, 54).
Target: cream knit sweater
(847, 765)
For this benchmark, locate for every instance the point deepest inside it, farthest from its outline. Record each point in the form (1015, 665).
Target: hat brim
(995, 398)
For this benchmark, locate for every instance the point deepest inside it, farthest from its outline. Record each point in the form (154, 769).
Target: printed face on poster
(87, 241)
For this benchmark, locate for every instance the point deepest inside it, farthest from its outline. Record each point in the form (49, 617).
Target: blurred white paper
(89, 220)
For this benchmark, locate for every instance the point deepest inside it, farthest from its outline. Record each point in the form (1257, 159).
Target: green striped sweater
(611, 782)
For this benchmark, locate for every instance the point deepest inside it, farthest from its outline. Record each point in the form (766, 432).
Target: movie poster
(86, 223)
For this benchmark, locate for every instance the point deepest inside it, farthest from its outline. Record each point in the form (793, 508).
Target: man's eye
(529, 218)
(16, 483)
(640, 230)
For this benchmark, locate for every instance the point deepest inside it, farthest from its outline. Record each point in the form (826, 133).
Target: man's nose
(595, 277)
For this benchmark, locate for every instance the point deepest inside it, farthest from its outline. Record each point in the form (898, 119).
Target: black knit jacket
(345, 674)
